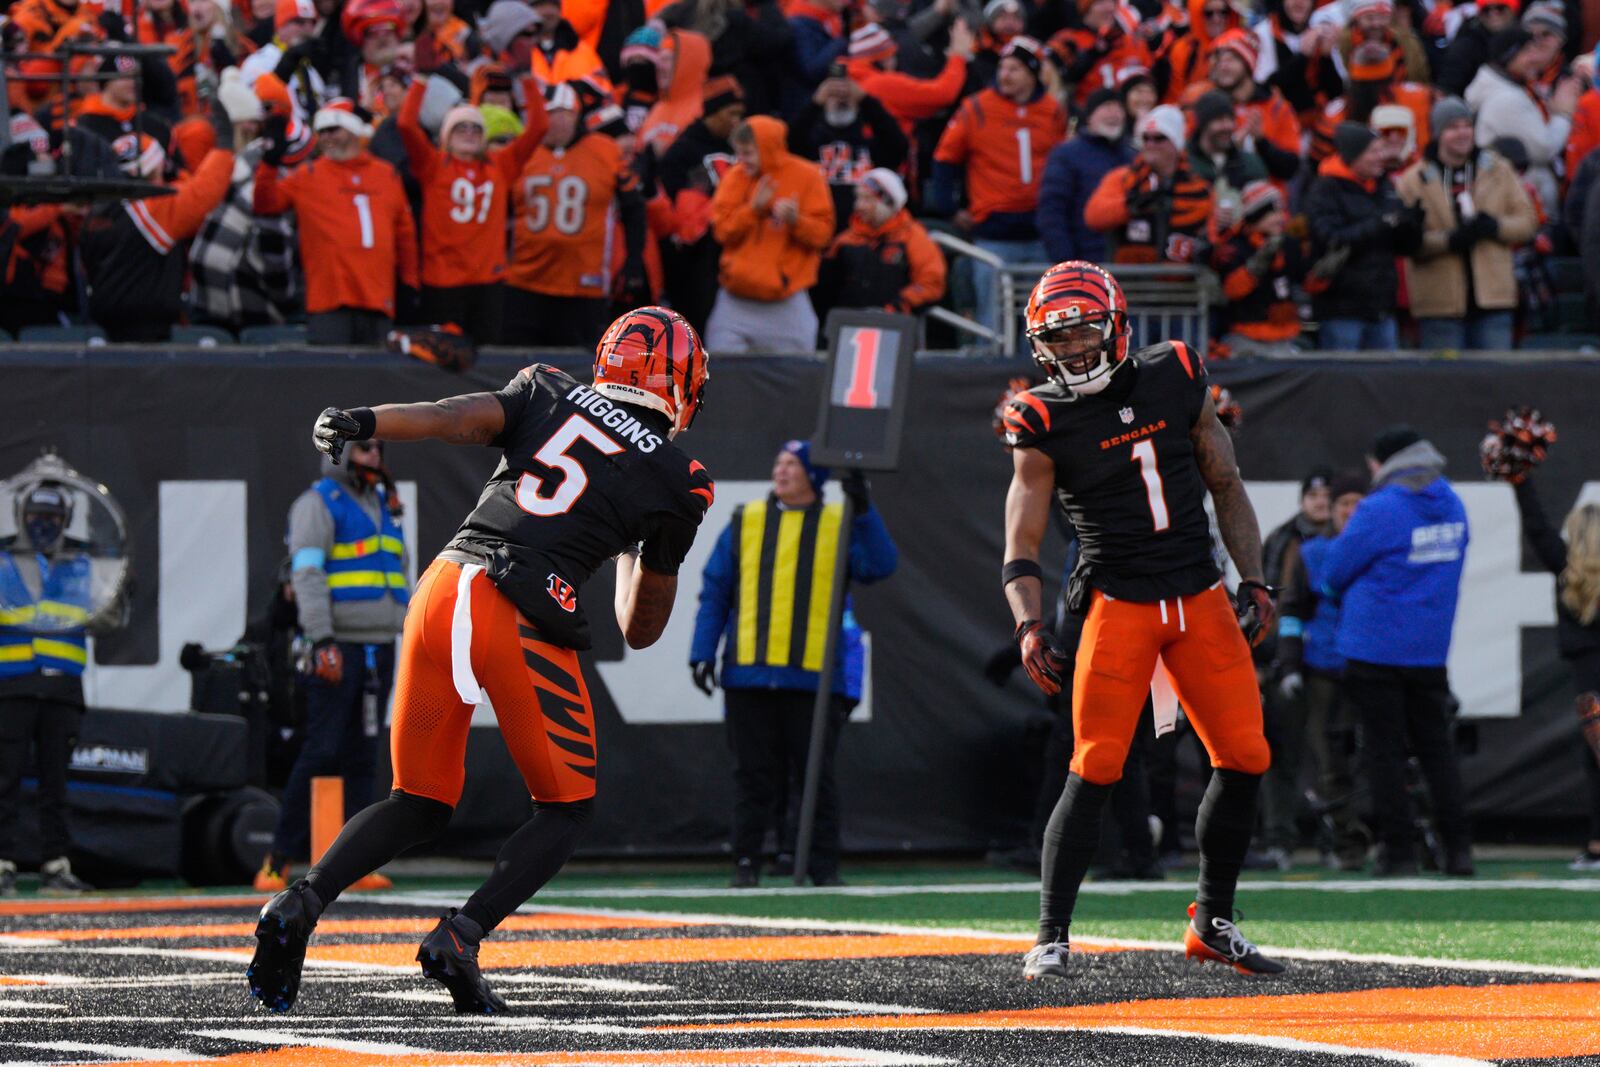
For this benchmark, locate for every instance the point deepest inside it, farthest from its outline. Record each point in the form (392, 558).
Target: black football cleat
(1223, 943)
(449, 955)
(281, 937)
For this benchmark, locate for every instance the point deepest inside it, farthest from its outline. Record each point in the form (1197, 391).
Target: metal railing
(1165, 300)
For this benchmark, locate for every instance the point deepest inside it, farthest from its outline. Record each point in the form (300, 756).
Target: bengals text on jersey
(1125, 471)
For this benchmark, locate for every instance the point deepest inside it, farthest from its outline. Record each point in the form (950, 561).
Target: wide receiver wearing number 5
(587, 472)
(1129, 445)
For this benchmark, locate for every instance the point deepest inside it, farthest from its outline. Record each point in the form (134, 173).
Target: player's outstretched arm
(471, 419)
(1236, 518)
(643, 602)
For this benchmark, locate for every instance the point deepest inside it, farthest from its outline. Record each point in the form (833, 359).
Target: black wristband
(1020, 568)
(1022, 629)
(366, 421)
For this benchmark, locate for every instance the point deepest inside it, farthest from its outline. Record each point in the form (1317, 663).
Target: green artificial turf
(1534, 926)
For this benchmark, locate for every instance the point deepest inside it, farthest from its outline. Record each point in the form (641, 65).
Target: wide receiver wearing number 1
(1129, 446)
(588, 472)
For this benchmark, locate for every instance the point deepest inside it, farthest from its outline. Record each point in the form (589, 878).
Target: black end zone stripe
(804, 572)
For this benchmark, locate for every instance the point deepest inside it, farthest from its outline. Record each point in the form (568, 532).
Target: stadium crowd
(1392, 170)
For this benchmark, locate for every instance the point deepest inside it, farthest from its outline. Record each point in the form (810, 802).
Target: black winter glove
(221, 125)
(1462, 238)
(1486, 227)
(705, 676)
(1143, 201)
(312, 50)
(855, 487)
(275, 134)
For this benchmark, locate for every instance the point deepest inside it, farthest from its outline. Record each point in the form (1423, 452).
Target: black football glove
(1042, 657)
(1256, 606)
(334, 427)
(705, 676)
(855, 486)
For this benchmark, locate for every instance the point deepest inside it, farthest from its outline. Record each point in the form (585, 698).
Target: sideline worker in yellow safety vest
(44, 606)
(348, 564)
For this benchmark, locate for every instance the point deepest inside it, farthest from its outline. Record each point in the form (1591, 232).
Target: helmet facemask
(1080, 353)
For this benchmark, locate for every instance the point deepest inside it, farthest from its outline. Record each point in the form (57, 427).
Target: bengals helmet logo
(562, 593)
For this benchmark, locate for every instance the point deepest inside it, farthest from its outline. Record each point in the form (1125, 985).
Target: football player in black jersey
(587, 473)
(1128, 446)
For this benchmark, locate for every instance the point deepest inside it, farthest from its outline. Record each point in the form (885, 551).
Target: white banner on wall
(204, 529)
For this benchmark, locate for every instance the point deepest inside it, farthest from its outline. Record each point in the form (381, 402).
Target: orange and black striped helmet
(652, 357)
(1076, 294)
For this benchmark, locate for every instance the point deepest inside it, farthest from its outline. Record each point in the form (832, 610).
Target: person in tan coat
(1475, 211)
(773, 216)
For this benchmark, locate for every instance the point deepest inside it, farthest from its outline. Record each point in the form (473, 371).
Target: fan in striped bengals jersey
(1129, 445)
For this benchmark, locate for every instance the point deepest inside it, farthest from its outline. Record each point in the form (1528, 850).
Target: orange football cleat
(270, 879)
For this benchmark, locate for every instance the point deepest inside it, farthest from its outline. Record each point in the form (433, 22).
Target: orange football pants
(463, 639)
(1199, 640)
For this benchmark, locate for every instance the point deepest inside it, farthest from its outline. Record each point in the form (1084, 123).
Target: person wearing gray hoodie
(348, 566)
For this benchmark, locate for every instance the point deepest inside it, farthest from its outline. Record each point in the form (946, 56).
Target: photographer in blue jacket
(1397, 570)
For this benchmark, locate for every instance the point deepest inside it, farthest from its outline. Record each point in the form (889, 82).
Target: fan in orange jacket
(1264, 115)
(1373, 81)
(466, 188)
(579, 214)
(773, 216)
(1585, 135)
(443, 38)
(765, 257)
(557, 53)
(681, 99)
(1184, 59)
(884, 259)
(357, 237)
(871, 65)
(1108, 41)
(998, 141)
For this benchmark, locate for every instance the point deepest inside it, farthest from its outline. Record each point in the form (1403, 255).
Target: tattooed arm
(1213, 451)
(644, 601)
(472, 419)
(1033, 482)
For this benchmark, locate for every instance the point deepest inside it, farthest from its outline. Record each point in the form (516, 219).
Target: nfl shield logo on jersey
(1126, 414)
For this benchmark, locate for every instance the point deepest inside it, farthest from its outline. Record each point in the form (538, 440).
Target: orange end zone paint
(1513, 1021)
